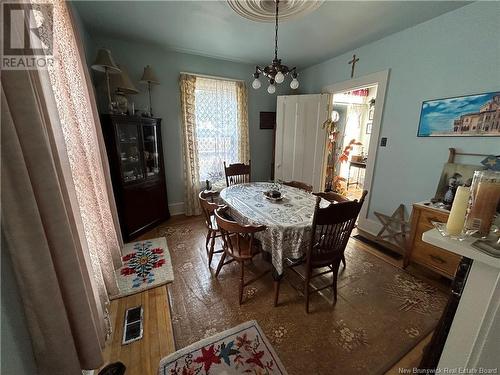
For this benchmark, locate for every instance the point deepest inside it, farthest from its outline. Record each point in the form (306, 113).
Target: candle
(456, 220)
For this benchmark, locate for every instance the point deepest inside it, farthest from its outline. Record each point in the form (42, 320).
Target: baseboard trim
(176, 208)
(370, 226)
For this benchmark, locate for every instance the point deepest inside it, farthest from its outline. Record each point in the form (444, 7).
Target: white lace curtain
(215, 129)
(57, 207)
(81, 131)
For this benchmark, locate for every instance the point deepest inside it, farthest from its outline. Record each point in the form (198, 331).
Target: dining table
(288, 220)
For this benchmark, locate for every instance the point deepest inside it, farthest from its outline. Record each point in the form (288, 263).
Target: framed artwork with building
(462, 116)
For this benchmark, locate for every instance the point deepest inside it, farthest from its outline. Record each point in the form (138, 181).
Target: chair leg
(209, 234)
(334, 283)
(277, 284)
(242, 280)
(211, 251)
(306, 289)
(221, 263)
(343, 260)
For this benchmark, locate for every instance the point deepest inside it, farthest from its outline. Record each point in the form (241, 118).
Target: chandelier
(275, 72)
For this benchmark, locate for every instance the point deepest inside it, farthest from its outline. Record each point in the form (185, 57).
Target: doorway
(349, 140)
(380, 80)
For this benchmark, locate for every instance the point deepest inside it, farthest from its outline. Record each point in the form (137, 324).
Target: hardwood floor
(143, 356)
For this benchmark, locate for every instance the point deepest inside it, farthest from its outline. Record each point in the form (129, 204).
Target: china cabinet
(135, 155)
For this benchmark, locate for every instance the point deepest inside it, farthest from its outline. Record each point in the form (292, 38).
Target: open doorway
(349, 140)
(378, 80)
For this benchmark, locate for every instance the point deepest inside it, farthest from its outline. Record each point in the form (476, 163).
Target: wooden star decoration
(394, 227)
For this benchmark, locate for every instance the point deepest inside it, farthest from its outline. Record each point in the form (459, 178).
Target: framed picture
(461, 172)
(461, 116)
(369, 128)
(267, 120)
(370, 113)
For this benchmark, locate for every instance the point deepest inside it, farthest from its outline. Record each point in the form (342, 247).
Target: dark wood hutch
(135, 157)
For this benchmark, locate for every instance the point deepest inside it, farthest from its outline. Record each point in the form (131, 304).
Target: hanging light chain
(276, 33)
(275, 69)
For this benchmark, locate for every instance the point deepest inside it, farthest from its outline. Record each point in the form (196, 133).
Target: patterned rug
(240, 350)
(146, 264)
(382, 311)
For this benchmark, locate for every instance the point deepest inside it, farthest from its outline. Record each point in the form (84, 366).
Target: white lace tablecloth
(289, 221)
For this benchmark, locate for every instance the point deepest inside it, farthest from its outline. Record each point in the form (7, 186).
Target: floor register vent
(133, 325)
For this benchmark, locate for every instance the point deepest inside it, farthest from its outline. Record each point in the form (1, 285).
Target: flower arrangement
(338, 182)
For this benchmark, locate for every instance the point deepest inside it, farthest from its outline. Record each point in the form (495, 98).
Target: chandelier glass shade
(275, 72)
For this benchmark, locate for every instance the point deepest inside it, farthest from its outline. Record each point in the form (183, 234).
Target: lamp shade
(122, 83)
(104, 61)
(149, 76)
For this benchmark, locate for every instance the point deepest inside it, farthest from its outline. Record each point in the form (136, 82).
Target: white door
(300, 138)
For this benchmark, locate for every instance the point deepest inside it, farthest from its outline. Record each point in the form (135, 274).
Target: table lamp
(104, 63)
(150, 78)
(122, 86)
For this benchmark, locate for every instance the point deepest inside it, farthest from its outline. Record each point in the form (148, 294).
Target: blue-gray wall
(166, 100)
(83, 33)
(455, 54)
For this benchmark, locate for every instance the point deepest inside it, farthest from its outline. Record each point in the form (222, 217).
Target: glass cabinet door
(150, 148)
(128, 144)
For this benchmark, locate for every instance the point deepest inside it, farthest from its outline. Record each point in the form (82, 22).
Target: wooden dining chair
(333, 197)
(208, 206)
(299, 185)
(238, 173)
(330, 196)
(331, 230)
(239, 245)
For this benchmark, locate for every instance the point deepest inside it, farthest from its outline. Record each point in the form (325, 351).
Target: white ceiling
(212, 28)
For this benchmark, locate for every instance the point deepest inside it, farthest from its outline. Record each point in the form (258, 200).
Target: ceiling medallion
(263, 10)
(275, 72)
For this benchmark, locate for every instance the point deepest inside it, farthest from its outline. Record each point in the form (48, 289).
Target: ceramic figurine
(453, 184)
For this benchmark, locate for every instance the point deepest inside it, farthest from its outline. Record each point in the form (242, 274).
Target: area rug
(378, 246)
(382, 311)
(146, 264)
(243, 349)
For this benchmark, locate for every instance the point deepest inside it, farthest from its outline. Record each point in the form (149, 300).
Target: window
(214, 130)
(217, 132)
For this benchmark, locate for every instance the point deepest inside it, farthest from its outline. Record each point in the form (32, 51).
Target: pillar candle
(456, 220)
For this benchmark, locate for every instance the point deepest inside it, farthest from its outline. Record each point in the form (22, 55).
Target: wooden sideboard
(434, 258)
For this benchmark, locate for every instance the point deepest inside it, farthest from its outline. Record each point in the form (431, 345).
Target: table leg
(276, 276)
(268, 258)
(277, 282)
(348, 176)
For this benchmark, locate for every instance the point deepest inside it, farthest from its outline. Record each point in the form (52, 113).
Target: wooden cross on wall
(353, 62)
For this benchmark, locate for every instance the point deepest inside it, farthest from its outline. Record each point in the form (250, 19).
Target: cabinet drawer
(427, 217)
(441, 260)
